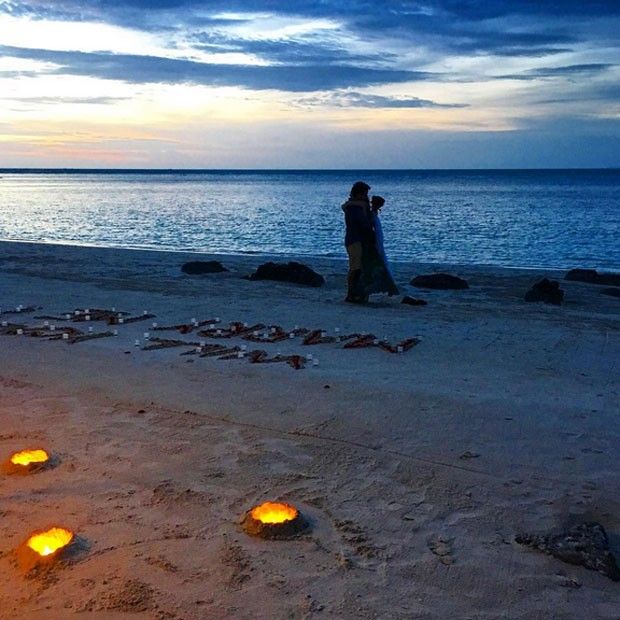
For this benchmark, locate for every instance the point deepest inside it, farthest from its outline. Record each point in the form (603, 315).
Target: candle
(65, 336)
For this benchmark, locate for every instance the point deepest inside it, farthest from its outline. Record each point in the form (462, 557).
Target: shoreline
(400, 264)
(416, 470)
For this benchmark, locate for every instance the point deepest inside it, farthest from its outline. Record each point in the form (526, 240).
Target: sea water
(546, 218)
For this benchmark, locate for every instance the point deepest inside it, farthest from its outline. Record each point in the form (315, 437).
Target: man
(359, 232)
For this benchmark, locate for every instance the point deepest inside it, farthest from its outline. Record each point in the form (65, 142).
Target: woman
(377, 277)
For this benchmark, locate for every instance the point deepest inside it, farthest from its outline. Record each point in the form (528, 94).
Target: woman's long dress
(376, 275)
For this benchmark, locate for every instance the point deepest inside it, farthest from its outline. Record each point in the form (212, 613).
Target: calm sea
(558, 218)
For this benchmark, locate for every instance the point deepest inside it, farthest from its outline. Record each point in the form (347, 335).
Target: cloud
(68, 100)
(361, 100)
(150, 69)
(553, 72)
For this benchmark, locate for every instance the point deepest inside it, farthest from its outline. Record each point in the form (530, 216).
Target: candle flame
(273, 512)
(48, 542)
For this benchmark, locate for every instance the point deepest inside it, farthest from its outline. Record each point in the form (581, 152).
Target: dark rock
(440, 281)
(612, 292)
(297, 273)
(584, 545)
(593, 277)
(412, 301)
(547, 291)
(198, 267)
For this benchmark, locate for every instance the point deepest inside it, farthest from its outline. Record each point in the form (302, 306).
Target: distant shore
(416, 470)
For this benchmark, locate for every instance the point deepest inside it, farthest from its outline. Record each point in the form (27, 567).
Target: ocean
(512, 218)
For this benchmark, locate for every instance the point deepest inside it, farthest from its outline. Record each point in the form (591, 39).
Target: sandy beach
(416, 470)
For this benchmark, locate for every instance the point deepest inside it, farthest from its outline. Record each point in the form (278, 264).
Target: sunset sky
(310, 84)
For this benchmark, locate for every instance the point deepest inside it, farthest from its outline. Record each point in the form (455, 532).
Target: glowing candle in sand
(28, 457)
(273, 520)
(26, 461)
(50, 541)
(65, 336)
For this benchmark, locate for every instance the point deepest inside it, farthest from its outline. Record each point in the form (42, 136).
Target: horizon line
(70, 169)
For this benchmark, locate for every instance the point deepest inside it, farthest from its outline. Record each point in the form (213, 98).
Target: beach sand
(415, 470)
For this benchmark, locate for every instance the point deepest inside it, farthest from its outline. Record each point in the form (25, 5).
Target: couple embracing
(368, 269)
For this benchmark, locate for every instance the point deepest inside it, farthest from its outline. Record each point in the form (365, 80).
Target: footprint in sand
(354, 536)
(442, 548)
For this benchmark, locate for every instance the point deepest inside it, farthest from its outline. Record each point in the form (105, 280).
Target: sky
(310, 84)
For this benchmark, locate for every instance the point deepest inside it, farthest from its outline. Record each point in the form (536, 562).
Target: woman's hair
(377, 201)
(359, 190)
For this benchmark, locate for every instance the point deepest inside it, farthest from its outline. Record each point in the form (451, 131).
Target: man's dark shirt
(358, 223)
